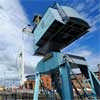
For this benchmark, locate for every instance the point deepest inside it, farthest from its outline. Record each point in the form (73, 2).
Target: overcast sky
(16, 14)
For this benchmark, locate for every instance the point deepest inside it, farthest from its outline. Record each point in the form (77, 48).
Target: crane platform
(53, 33)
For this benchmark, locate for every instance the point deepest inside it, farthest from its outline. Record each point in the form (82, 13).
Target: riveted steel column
(67, 91)
(36, 88)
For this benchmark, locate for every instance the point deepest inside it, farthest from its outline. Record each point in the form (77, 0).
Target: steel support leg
(67, 91)
(92, 85)
(36, 88)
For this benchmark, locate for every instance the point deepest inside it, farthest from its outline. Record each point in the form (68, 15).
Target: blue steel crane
(59, 27)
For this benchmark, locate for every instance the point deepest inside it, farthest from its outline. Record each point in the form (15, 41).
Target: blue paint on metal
(50, 16)
(50, 64)
(95, 83)
(56, 61)
(67, 91)
(52, 33)
(37, 84)
(61, 12)
(45, 23)
(92, 85)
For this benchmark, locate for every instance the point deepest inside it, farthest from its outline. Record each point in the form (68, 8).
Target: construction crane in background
(20, 58)
(20, 65)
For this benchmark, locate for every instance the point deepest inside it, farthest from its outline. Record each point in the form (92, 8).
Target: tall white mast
(27, 30)
(21, 67)
(20, 61)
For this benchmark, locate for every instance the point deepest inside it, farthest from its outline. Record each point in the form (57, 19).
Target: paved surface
(22, 95)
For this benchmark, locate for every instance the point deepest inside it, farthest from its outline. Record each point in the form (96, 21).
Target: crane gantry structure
(59, 27)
